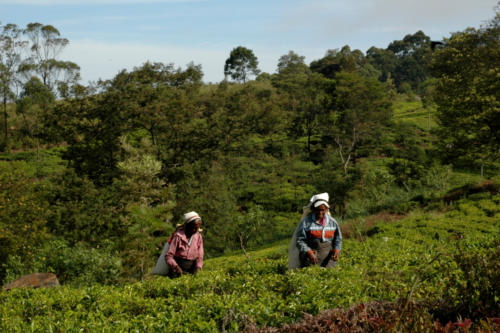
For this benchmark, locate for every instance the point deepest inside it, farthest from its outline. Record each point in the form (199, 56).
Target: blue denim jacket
(309, 230)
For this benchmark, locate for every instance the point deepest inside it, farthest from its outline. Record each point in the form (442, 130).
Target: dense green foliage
(448, 260)
(468, 95)
(94, 179)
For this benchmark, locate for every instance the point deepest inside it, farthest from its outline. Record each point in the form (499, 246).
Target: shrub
(406, 172)
(80, 211)
(475, 292)
(77, 265)
(22, 213)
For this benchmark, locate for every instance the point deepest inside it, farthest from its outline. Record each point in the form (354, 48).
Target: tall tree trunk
(346, 158)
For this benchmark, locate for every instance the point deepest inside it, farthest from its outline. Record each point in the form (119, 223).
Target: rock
(35, 280)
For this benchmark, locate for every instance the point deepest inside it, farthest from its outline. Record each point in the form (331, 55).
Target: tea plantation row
(445, 258)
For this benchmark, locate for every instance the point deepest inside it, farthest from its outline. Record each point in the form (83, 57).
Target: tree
(154, 100)
(148, 205)
(330, 177)
(151, 91)
(468, 95)
(409, 44)
(291, 77)
(213, 195)
(248, 226)
(363, 111)
(46, 45)
(309, 99)
(33, 105)
(292, 63)
(91, 126)
(11, 51)
(241, 63)
(328, 66)
(346, 60)
(307, 96)
(413, 54)
(383, 60)
(354, 123)
(314, 104)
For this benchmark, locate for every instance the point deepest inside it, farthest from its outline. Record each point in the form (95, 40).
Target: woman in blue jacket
(318, 237)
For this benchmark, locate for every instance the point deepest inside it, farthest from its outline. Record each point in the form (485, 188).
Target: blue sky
(107, 36)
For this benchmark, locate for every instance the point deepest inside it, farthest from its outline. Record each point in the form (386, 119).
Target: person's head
(192, 222)
(319, 205)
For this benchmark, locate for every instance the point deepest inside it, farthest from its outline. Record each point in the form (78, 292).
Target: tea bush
(445, 263)
(76, 265)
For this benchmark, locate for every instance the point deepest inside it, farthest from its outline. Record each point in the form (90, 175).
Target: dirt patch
(385, 217)
(357, 228)
(465, 191)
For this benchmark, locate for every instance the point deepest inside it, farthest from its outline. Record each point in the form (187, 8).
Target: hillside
(405, 140)
(435, 265)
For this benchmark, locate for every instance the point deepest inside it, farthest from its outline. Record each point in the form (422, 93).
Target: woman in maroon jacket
(185, 253)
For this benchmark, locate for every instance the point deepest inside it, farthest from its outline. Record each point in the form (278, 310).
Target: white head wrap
(319, 199)
(315, 201)
(191, 216)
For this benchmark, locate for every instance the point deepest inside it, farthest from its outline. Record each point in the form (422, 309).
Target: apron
(323, 252)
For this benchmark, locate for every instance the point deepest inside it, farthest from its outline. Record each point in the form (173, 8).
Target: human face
(320, 211)
(193, 227)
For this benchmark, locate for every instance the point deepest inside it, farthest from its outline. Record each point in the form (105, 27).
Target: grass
(414, 112)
